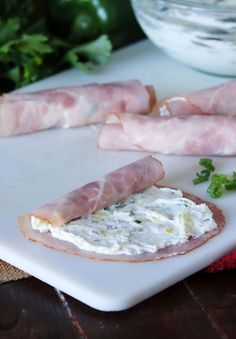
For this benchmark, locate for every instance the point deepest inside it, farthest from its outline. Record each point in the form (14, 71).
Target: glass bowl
(199, 33)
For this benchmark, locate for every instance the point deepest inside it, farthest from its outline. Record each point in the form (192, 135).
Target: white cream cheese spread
(145, 222)
(199, 33)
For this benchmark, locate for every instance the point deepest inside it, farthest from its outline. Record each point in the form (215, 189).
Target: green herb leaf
(231, 183)
(217, 186)
(219, 182)
(207, 163)
(14, 74)
(206, 172)
(9, 29)
(25, 55)
(30, 50)
(34, 44)
(97, 52)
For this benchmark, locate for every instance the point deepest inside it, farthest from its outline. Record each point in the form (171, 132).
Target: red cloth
(225, 263)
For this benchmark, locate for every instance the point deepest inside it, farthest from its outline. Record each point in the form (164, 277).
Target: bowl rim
(199, 5)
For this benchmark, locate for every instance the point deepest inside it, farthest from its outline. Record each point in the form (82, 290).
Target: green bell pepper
(84, 20)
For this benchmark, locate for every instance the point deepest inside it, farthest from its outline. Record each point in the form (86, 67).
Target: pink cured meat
(190, 135)
(96, 195)
(64, 246)
(220, 99)
(71, 106)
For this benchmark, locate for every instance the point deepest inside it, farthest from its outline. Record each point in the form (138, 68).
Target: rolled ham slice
(173, 250)
(99, 194)
(114, 187)
(72, 106)
(190, 135)
(220, 99)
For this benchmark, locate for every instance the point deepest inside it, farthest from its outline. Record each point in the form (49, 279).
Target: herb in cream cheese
(145, 222)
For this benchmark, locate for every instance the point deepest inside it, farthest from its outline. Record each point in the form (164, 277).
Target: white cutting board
(39, 167)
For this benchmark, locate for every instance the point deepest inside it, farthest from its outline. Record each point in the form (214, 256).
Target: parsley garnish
(206, 172)
(231, 184)
(30, 50)
(217, 186)
(220, 183)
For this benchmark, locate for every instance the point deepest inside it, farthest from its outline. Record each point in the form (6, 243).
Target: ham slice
(71, 106)
(179, 249)
(99, 194)
(190, 135)
(220, 99)
(114, 187)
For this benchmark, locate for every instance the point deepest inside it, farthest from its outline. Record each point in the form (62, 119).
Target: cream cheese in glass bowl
(199, 33)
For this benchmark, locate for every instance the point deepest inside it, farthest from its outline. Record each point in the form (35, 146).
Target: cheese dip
(144, 222)
(199, 33)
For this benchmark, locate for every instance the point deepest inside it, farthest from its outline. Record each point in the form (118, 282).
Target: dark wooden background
(202, 306)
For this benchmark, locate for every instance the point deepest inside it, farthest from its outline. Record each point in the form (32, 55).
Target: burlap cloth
(9, 272)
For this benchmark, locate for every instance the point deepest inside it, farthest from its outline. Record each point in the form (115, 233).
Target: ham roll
(220, 99)
(72, 106)
(114, 187)
(99, 194)
(190, 135)
(96, 195)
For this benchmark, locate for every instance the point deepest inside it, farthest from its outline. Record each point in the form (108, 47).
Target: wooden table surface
(202, 306)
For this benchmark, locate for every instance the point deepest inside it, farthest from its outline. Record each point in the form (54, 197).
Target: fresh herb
(40, 38)
(206, 172)
(231, 183)
(119, 205)
(220, 183)
(138, 221)
(97, 52)
(217, 186)
(30, 49)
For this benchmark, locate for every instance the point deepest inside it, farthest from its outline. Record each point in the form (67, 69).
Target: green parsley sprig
(29, 51)
(206, 172)
(220, 183)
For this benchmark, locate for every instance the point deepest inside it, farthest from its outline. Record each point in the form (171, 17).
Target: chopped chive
(119, 205)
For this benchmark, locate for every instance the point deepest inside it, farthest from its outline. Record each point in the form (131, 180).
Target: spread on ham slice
(179, 249)
(72, 106)
(190, 135)
(219, 99)
(115, 187)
